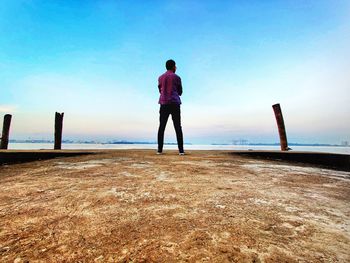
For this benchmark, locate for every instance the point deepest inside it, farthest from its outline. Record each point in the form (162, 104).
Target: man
(170, 89)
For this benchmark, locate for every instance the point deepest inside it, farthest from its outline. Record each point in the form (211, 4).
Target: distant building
(344, 143)
(240, 142)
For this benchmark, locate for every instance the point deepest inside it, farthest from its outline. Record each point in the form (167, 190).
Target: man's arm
(159, 86)
(179, 87)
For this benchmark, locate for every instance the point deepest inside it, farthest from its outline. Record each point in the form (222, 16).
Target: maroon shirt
(170, 88)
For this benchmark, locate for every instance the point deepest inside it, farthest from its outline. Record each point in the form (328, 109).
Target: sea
(91, 146)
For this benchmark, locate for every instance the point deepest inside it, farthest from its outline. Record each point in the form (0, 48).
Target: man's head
(170, 65)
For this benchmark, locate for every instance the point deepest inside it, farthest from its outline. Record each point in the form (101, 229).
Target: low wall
(327, 160)
(14, 156)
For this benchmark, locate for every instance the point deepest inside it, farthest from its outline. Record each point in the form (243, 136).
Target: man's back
(170, 88)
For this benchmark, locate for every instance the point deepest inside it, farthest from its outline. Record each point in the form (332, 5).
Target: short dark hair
(170, 64)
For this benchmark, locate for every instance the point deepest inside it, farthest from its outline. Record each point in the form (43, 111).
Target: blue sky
(98, 61)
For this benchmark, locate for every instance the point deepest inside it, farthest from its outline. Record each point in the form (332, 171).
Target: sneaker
(159, 153)
(181, 153)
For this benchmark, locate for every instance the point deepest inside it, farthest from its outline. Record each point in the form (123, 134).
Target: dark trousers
(164, 112)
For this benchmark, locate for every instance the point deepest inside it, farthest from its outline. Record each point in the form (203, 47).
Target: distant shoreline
(174, 143)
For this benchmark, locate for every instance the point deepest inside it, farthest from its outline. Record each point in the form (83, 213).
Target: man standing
(170, 89)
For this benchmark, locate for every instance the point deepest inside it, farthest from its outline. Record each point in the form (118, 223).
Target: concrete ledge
(21, 156)
(327, 160)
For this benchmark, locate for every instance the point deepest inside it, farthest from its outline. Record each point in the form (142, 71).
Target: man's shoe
(159, 153)
(181, 153)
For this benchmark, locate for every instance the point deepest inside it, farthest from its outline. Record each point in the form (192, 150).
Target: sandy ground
(207, 206)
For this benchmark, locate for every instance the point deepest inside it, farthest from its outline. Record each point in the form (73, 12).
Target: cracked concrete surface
(207, 206)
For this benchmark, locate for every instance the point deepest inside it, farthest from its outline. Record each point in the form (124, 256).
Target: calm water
(35, 146)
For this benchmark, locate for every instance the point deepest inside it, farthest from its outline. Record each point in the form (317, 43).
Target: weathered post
(5, 131)
(58, 130)
(281, 128)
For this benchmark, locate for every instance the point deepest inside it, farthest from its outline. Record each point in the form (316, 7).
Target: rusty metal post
(58, 130)
(281, 128)
(5, 131)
